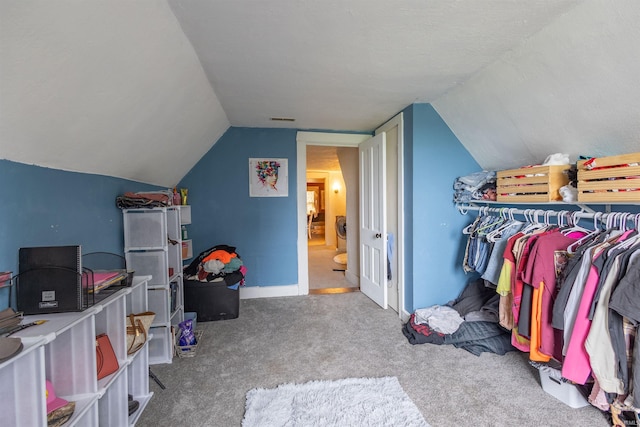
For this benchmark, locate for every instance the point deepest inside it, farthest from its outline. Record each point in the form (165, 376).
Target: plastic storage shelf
(62, 350)
(153, 246)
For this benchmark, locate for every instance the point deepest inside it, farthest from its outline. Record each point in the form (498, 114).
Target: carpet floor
(329, 337)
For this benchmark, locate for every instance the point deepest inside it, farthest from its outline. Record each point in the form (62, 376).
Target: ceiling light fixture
(282, 119)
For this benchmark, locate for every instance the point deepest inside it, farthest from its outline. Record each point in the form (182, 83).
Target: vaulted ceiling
(142, 89)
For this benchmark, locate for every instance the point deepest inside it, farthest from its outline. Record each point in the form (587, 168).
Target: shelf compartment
(113, 407)
(160, 345)
(150, 263)
(138, 373)
(185, 214)
(187, 249)
(70, 360)
(22, 398)
(145, 229)
(137, 302)
(159, 304)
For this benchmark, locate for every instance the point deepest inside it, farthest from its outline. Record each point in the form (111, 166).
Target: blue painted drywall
(434, 246)
(50, 207)
(263, 229)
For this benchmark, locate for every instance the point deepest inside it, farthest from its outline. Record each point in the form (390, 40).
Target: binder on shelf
(50, 280)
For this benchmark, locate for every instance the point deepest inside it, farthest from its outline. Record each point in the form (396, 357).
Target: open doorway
(394, 127)
(326, 206)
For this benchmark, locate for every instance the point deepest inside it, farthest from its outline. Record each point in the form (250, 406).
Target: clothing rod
(543, 215)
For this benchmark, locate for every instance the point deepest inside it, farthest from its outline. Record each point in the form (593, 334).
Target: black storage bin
(211, 300)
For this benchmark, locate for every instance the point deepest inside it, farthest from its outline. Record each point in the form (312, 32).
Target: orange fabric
(536, 315)
(220, 255)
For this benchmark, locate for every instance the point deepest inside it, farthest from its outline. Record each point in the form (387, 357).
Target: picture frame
(268, 177)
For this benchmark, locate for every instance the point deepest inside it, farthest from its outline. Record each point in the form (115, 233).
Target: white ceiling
(141, 90)
(349, 65)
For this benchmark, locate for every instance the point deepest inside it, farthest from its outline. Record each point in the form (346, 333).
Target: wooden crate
(531, 184)
(612, 179)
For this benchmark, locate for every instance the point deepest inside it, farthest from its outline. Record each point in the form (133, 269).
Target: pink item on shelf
(53, 401)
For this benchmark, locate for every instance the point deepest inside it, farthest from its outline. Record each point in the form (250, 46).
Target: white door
(373, 222)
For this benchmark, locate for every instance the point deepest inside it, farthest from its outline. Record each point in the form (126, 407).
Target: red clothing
(540, 273)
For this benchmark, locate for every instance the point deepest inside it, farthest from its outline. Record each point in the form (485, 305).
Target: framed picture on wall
(268, 178)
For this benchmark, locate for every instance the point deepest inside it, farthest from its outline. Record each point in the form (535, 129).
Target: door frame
(398, 120)
(303, 139)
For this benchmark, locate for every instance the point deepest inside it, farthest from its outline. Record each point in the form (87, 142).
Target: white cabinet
(153, 246)
(63, 351)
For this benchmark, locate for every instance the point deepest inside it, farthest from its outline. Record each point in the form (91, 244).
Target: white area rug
(349, 402)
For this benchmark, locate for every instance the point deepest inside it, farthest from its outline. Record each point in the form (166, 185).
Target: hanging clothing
(541, 273)
(576, 365)
(598, 344)
(569, 296)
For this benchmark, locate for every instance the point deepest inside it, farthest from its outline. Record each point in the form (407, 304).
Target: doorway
(326, 206)
(305, 139)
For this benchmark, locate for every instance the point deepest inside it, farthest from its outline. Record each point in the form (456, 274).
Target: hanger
(633, 237)
(573, 224)
(590, 233)
(469, 229)
(508, 221)
(463, 209)
(533, 224)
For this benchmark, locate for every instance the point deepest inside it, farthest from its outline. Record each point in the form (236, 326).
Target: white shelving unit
(153, 246)
(63, 350)
(187, 244)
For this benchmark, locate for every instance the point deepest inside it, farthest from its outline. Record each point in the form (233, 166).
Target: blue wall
(50, 207)
(434, 245)
(263, 229)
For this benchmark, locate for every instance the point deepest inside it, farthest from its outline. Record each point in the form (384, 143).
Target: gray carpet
(327, 337)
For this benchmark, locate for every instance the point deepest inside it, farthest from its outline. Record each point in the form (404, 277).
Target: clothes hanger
(533, 224)
(590, 233)
(496, 234)
(489, 224)
(573, 225)
(633, 238)
(469, 229)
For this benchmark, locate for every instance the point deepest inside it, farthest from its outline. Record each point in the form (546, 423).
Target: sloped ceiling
(107, 87)
(571, 88)
(142, 89)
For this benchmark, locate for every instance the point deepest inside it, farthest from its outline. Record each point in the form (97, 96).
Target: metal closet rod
(610, 219)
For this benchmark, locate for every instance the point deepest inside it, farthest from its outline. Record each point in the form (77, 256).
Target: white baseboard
(249, 292)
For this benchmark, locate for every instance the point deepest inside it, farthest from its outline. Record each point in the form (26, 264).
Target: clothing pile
(477, 186)
(219, 263)
(151, 199)
(570, 295)
(469, 322)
